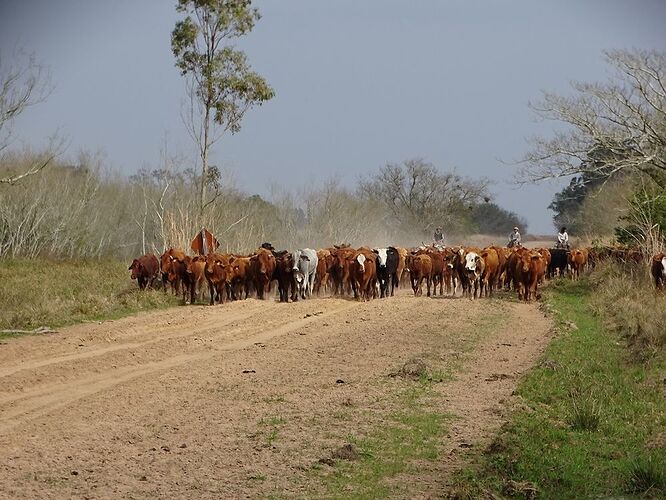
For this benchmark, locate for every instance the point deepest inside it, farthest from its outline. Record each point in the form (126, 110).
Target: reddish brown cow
(166, 260)
(420, 268)
(438, 267)
(491, 268)
(241, 277)
(145, 270)
(363, 274)
(402, 259)
(340, 269)
(262, 269)
(218, 274)
(512, 276)
(503, 254)
(324, 265)
(545, 253)
(532, 265)
(658, 270)
(449, 271)
(577, 260)
(196, 271)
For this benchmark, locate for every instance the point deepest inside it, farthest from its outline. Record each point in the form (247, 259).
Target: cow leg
(313, 276)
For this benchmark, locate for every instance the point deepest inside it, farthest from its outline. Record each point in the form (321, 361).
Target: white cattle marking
(470, 261)
(382, 256)
(361, 260)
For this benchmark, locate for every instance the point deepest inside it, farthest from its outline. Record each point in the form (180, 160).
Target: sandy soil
(240, 400)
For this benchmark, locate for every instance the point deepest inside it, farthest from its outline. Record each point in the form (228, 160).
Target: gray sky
(358, 83)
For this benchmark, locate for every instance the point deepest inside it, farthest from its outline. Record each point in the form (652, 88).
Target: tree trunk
(204, 166)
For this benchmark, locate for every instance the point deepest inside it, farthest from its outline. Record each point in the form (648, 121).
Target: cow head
(299, 279)
(474, 264)
(136, 268)
(382, 256)
(471, 260)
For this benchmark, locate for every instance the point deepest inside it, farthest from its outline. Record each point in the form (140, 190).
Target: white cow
(306, 260)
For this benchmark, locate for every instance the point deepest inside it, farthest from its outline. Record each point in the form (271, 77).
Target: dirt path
(239, 400)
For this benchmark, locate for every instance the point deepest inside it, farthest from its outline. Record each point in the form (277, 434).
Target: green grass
(409, 435)
(40, 292)
(591, 421)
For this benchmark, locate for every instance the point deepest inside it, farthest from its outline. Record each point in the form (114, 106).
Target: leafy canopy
(223, 81)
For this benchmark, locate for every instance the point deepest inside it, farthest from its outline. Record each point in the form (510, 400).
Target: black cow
(558, 261)
(284, 263)
(387, 270)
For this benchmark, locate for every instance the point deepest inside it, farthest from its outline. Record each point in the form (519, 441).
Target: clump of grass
(584, 412)
(647, 476)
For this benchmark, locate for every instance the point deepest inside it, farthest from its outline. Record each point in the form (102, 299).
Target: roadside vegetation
(591, 421)
(40, 292)
(370, 465)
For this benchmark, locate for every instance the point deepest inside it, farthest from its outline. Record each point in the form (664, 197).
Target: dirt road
(240, 400)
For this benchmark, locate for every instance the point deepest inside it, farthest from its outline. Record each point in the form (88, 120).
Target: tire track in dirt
(18, 408)
(216, 320)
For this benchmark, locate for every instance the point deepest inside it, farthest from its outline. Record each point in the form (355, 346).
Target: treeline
(82, 211)
(614, 147)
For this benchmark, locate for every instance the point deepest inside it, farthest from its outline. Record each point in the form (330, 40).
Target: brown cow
(262, 268)
(363, 274)
(532, 265)
(449, 270)
(340, 269)
(402, 259)
(165, 265)
(491, 267)
(196, 271)
(577, 260)
(658, 270)
(545, 253)
(218, 274)
(324, 265)
(241, 277)
(420, 268)
(438, 267)
(145, 270)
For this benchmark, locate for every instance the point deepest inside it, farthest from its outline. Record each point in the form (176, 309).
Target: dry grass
(629, 305)
(39, 292)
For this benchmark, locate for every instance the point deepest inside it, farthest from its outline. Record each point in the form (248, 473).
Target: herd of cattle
(368, 273)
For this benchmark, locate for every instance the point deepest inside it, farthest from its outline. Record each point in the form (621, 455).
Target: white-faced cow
(387, 270)
(474, 267)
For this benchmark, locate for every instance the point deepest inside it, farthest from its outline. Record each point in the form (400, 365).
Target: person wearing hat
(514, 238)
(563, 238)
(438, 237)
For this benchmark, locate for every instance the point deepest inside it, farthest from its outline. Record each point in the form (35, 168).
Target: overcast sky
(358, 83)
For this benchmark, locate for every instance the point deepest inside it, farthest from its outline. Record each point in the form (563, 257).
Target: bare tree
(23, 83)
(617, 126)
(417, 194)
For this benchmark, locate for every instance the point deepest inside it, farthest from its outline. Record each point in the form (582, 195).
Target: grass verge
(408, 438)
(39, 292)
(592, 423)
